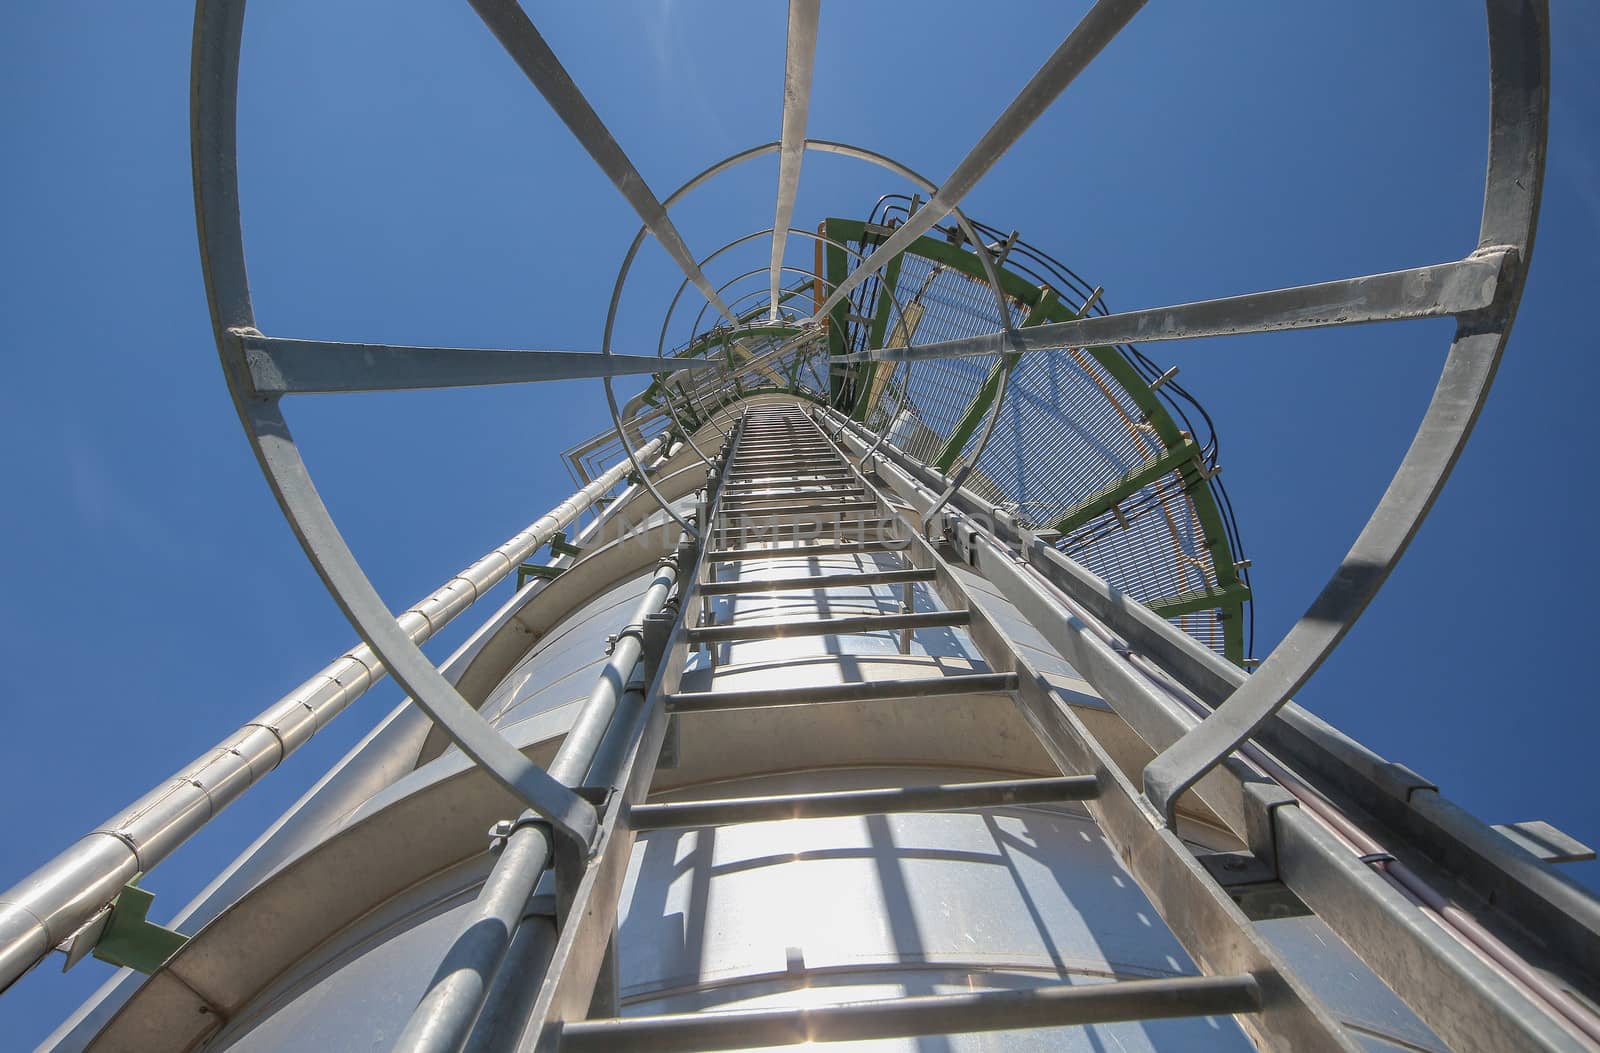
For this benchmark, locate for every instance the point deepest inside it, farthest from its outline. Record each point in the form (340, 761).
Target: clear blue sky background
(402, 183)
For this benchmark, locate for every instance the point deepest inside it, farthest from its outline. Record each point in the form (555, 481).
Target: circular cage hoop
(666, 320)
(857, 153)
(1481, 291)
(213, 130)
(754, 363)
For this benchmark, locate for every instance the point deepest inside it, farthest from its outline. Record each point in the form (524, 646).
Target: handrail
(71, 890)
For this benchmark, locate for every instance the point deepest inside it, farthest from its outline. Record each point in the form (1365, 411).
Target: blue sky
(402, 183)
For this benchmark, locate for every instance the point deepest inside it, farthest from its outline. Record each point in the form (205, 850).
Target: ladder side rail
(448, 1009)
(591, 896)
(1401, 807)
(1472, 1005)
(77, 886)
(1204, 919)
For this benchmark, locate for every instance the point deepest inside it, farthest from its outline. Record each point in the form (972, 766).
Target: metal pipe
(1055, 1005)
(802, 48)
(835, 804)
(1097, 28)
(865, 623)
(803, 551)
(66, 893)
(868, 691)
(444, 1017)
(814, 582)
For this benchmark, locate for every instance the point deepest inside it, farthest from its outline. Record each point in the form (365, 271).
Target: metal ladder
(784, 488)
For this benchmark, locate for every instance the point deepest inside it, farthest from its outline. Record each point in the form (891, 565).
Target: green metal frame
(1175, 459)
(1045, 306)
(838, 320)
(719, 338)
(1201, 600)
(132, 941)
(536, 570)
(876, 333)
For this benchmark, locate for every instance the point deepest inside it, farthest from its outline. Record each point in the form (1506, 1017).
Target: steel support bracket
(670, 749)
(653, 640)
(129, 939)
(636, 631)
(1253, 884)
(537, 570)
(573, 859)
(1546, 842)
(560, 546)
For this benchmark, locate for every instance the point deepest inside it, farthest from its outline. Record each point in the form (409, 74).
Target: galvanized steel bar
(1056, 1005)
(809, 582)
(1203, 917)
(588, 928)
(953, 797)
(522, 41)
(802, 54)
(1074, 54)
(1441, 290)
(867, 623)
(1484, 291)
(871, 691)
(736, 555)
(444, 1017)
(62, 896)
(280, 366)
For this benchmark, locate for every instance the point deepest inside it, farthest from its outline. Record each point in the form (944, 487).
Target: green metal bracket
(1110, 497)
(867, 377)
(131, 941)
(838, 318)
(794, 373)
(536, 570)
(1230, 595)
(560, 546)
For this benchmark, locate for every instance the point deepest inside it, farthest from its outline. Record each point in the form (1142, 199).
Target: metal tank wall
(344, 923)
(920, 903)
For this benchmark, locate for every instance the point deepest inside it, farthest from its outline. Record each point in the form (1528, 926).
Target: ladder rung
(760, 482)
(769, 494)
(787, 449)
(795, 510)
(744, 467)
(798, 444)
(870, 691)
(817, 581)
(765, 533)
(864, 623)
(1052, 1005)
(843, 548)
(760, 503)
(864, 802)
(787, 454)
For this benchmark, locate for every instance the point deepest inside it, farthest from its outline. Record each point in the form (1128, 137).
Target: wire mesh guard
(1073, 444)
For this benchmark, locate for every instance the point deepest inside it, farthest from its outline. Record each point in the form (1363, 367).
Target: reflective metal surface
(841, 552)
